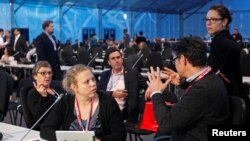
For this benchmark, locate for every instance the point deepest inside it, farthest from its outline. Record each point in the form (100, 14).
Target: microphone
(15, 54)
(56, 94)
(1, 135)
(139, 52)
(92, 59)
(137, 61)
(58, 98)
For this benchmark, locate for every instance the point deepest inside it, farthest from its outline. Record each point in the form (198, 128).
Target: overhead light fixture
(125, 16)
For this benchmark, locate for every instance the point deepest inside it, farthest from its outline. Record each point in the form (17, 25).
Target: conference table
(28, 67)
(16, 133)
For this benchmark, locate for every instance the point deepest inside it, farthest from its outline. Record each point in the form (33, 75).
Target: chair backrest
(95, 50)
(67, 56)
(245, 63)
(23, 83)
(238, 110)
(82, 56)
(127, 52)
(166, 54)
(131, 60)
(154, 60)
(6, 87)
(4, 98)
(28, 118)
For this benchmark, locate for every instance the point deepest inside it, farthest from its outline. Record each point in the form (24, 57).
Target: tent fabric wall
(240, 12)
(70, 24)
(75, 19)
(5, 22)
(32, 17)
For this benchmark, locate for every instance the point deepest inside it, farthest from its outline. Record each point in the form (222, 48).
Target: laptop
(75, 135)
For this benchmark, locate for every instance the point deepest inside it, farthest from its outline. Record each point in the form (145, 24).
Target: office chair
(6, 91)
(244, 63)
(134, 128)
(82, 56)
(238, 110)
(154, 60)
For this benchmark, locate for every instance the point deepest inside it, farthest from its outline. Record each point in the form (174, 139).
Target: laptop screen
(75, 135)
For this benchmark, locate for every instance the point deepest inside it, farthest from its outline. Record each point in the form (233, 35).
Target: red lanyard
(208, 69)
(78, 114)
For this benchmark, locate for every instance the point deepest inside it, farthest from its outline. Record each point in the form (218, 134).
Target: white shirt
(1, 41)
(191, 78)
(7, 59)
(116, 82)
(16, 38)
(52, 40)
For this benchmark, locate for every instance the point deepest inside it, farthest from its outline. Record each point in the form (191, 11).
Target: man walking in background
(47, 49)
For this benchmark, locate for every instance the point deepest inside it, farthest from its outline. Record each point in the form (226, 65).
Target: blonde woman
(84, 109)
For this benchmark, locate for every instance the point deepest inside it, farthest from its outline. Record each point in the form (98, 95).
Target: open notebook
(75, 135)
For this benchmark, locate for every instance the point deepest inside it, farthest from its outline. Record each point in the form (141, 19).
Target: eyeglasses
(44, 73)
(173, 61)
(212, 20)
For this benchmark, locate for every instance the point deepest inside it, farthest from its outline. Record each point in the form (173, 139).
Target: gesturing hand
(155, 83)
(120, 93)
(41, 89)
(172, 75)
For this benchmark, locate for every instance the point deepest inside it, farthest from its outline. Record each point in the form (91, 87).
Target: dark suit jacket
(20, 47)
(225, 56)
(45, 51)
(133, 83)
(205, 103)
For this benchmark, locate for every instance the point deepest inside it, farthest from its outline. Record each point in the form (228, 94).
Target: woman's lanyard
(78, 114)
(208, 69)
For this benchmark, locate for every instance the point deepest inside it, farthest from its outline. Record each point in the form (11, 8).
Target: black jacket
(45, 51)
(37, 104)
(20, 47)
(205, 103)
(112, 126)
(225, 56)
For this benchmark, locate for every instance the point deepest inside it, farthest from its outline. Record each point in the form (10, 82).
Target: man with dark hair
(205, 101)
(141, 38)
(47, 49)
(122, 84)
(19, 44)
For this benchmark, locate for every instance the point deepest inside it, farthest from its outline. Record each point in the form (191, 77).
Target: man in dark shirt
(141, 38)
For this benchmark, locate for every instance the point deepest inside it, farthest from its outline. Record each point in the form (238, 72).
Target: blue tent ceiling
(161, 6)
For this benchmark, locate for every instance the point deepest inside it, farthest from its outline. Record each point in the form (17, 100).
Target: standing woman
(225, 55)
(84, 109)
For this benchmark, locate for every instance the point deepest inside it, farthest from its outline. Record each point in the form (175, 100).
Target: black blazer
(225, 56)
(133, 83)
(205, 103)
(45, 51)
(21, 46)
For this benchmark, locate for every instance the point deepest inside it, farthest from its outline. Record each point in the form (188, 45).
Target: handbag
(148, 121)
